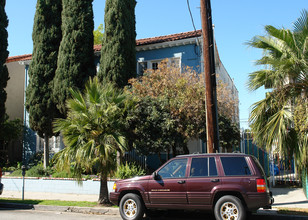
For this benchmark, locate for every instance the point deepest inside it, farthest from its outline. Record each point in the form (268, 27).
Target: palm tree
(91, 132)
(286, 75)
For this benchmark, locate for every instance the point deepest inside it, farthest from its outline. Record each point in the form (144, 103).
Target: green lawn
(50, 202)
(293, 211)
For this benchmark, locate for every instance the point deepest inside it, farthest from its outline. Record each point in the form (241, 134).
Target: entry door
(170, 186)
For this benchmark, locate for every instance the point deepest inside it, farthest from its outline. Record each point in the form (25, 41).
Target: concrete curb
(84, 210)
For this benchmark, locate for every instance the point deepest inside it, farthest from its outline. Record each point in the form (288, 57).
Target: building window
(142, 66)
(154, 64)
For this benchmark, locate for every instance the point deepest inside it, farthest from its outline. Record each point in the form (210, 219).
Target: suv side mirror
(155, 176)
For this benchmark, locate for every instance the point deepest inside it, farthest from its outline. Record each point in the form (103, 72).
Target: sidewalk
(289, 198)
(49, 196)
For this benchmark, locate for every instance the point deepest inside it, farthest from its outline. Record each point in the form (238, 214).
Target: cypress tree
(76, 55)
(4, 75)
(46, 38)
(118, 54)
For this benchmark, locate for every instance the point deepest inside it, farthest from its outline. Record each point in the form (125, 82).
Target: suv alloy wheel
(229, 207)
(131, 207)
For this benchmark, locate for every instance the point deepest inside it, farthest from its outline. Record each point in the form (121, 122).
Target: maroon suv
(227, 184)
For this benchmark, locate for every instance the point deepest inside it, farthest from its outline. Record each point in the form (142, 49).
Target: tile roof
(19, 58)
(168, 38)
(140, 42)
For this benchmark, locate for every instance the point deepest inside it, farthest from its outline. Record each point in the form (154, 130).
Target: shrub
(128, 170)
(35, 171)
(62, 174)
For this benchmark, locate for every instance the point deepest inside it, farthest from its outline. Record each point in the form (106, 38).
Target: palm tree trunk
(119, 158)
(174, 153)
(185, 148)
(46, 151)
(103, 192)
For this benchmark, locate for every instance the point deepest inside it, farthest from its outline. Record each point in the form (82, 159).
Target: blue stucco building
(182, 49)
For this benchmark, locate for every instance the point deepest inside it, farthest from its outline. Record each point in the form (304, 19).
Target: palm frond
(91, 131)
(301, 25)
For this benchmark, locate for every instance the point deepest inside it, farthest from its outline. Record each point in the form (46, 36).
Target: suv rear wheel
(131, 207)
(229, 207)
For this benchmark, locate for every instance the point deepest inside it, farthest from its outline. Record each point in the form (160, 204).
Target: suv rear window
(258, 165)
(235, 166)
(204, 166)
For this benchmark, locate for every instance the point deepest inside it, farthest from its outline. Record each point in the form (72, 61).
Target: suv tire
(131, 207)
(229, 207)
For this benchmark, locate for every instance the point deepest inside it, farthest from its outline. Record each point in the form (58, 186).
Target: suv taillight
(261, 185)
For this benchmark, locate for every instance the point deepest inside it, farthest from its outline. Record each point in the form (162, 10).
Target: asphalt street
(15, 214)
(11, 214)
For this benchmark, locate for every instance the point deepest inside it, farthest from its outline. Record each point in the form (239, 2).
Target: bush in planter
(63, 174)
(128, 170)
(35, 171)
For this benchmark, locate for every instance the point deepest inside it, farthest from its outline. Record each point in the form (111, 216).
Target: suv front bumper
(114, 198)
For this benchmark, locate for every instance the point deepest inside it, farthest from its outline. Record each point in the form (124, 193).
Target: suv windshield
(174, 169)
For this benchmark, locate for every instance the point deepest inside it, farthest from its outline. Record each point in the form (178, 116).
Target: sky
(236, 22)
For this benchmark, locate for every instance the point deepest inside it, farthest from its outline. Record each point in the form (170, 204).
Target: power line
(191, 16)
(193, 23)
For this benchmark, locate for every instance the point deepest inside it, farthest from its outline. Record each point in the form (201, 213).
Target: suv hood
(134, 179)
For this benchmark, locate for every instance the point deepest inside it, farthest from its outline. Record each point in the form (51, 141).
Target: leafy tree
(118, 54)
(98, 35)
(46, 37)
(286, 67)
(184, 98)
(76, 57)
(11, 130)
(151, 126)
(4, 74)
(91, 132)
(229, 133)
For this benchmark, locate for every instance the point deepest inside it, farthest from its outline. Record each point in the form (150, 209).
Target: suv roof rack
(197, 153)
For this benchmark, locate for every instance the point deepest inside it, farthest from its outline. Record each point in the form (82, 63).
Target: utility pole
(210, 77)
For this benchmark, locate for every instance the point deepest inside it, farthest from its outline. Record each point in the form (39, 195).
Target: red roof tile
(19, 58)
(140, 42)
(167, 38)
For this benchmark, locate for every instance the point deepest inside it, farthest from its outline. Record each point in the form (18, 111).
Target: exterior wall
(196, 146)
(15, 91)
(15, 105)
(188, 54)
(223, 75)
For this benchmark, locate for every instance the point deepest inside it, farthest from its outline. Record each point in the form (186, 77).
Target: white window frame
(150, 62)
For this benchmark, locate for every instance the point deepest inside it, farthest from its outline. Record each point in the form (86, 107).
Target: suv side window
(203, 166)
(235, 166)
(174, 169)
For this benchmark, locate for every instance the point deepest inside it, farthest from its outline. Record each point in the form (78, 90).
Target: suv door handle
(214, 180)
(181, 181)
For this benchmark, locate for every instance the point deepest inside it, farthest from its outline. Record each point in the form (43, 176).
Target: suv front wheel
(229, 207)
(131, 207)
